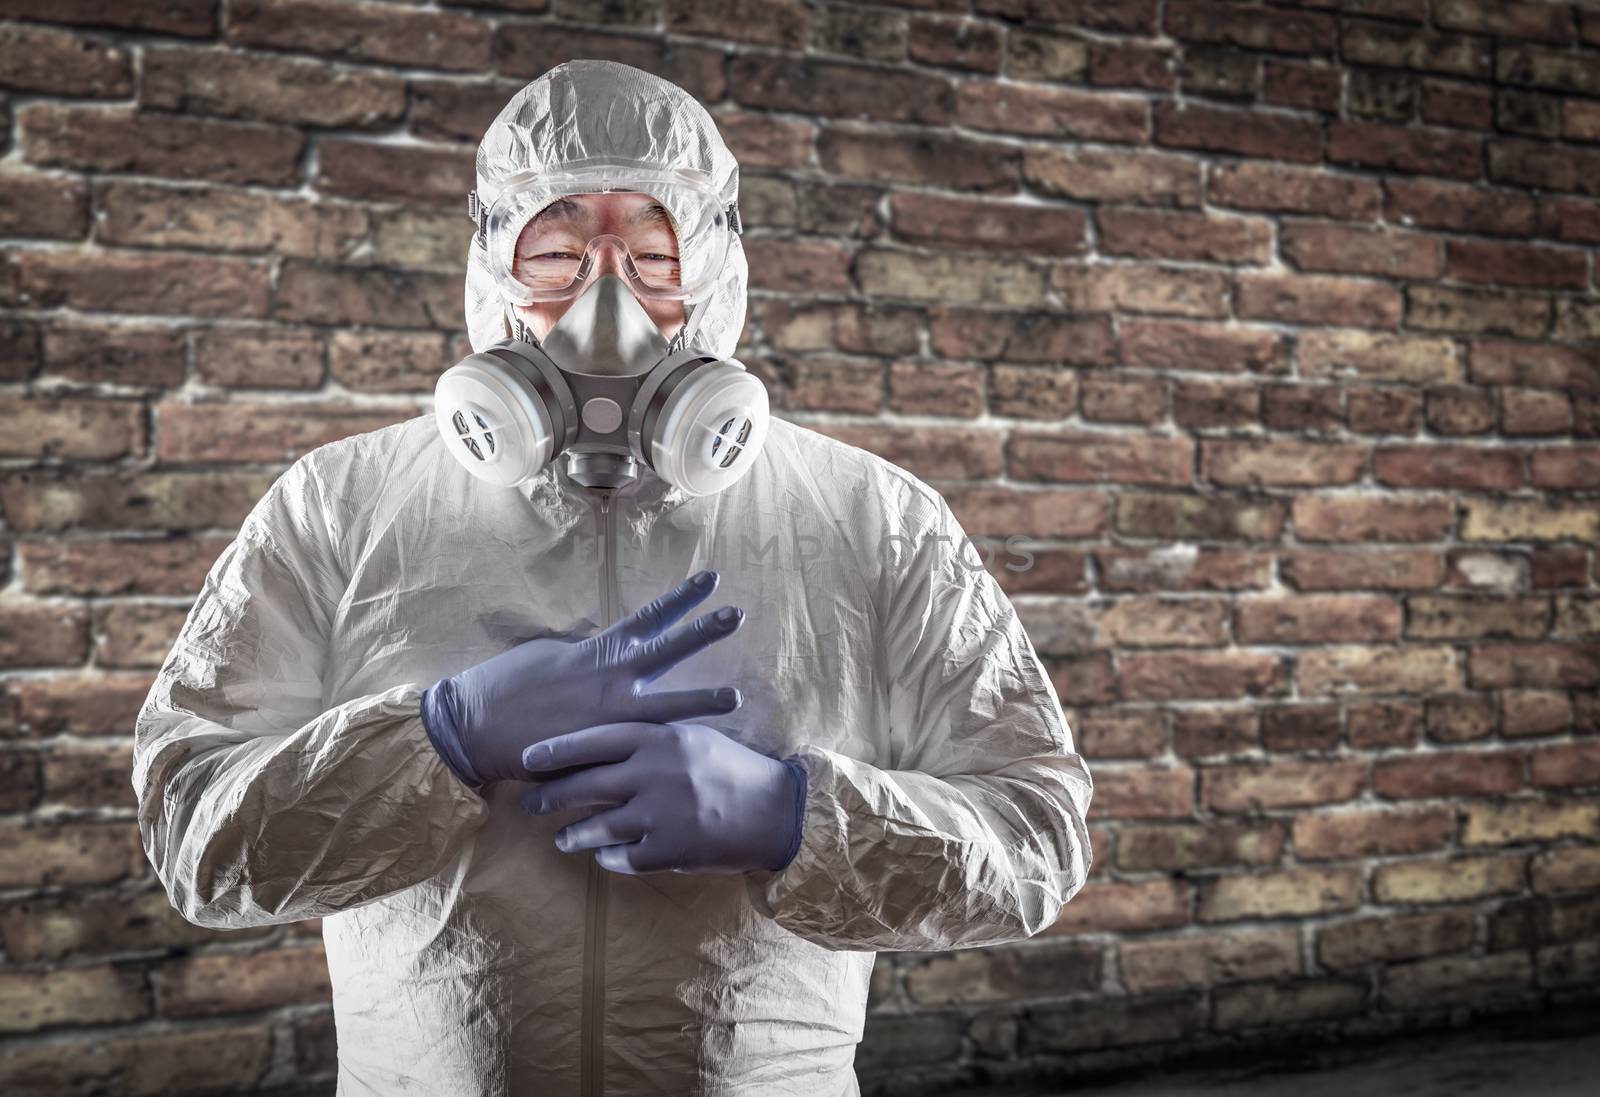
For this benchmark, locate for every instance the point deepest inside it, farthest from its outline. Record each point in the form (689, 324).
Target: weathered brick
(1449, 616)
(256, 357)
(119, 353)
(985, 225)
(54, 62)
(46, 501)
(80, 704)
(866, 34)
(1280, 461)
(1241, 132)
(1451, 103)
(1383, 410)
(1362, 567)
(1285, 188)
(1138, 459)
(956, 43)
(828, 383)
(192, 18)
(1099, 1022)
(833, 89)
(1141, 287)
(1462, 207)
(1532, 412)
(1480, 468)
(91, 923)
(935, 388)
(1346, 249)
(65, 853)
(1377, 669)
(1182, 234)
(1281, 784)
(1114, 175)
(1450, 879)
(1362, 833)
(1570, 868)
(1337, 516)
(1281, 1002)
(1372, 144)
(1361, 941)
(64, 427)
(1290, 406)
(1208, 959)
(1183, 567)
(1525, 712)
(1448, 773)
(1015, 283)
(1204, 517)
(223, 219)
(1005, 974)
(1529, 520)
(1306, 85)
(1201, 732)
(1203, 405)
(1317, 299)
(135, 634)
(1157, 676)
(775, 23)
(362, 32)
(1535, 163)
(1103, 906)
(1460, 717)
(1517, 822)
(1539, 22)
(846, 328)
(1124, 399)
(1294, 892)
(31, 1001)
(39, 633)
(1385, 723)
(1392, 45)
(1042, 55)
(525, 48)
(226, 983)
(1186, 345)
(117, 139)
(248, 432)
(1474, 981)
(139, 282)
(1447, 308)
(317, 293)
(144, 1065)
(1032, 393)
(1316, 619)
(268, 89)
(1052, 112)
(408, 174)
(1219, 844)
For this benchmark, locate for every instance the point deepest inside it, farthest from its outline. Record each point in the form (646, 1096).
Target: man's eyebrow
(565, 209)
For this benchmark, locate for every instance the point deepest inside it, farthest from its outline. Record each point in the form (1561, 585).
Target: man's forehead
(627, 208)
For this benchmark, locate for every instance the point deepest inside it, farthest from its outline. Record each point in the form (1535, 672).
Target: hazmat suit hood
(584, 109)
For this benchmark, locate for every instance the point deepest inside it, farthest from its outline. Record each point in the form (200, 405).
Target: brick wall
(1273, 328)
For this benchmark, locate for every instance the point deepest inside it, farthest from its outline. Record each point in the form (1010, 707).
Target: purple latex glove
(482, 719)
(681, 797)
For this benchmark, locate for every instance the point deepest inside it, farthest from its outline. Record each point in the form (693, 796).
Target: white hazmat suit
(283, 771)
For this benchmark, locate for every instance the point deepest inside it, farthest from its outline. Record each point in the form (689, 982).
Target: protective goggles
(704, 226)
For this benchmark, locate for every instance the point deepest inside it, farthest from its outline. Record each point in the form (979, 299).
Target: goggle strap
(479, 215)
(733, 218)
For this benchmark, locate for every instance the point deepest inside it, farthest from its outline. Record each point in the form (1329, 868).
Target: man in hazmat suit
(683, 889)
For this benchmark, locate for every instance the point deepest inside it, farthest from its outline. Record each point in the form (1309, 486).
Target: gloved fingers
(655, 657)
(652, 618)
(596, 786)
(618, 826)
(682, 704)
(648, 854)
(586, 746)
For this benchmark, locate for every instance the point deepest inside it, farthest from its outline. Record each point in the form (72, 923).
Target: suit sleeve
(977, 834)
(257, 804)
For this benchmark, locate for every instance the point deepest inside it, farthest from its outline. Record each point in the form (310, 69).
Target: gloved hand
(692, 799)
(482, 719)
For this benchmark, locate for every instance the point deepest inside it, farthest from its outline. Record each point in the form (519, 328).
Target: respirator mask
(604, 390)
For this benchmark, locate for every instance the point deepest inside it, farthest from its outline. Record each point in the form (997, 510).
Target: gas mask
(605, 391)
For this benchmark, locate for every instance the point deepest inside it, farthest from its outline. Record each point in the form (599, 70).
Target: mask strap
(680, 338)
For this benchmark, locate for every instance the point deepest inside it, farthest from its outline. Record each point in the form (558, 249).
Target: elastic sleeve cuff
(439, 722)
(799, 812)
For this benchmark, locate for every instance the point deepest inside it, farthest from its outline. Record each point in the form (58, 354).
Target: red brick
(1465, 106)
(1199, 405)
(1160, 676)
(1558, 666)
(1316, 619)
(233, 982)
(756, 139)
(1284, 188)
(1241, 25)
(1376, 669)
(117, 139)
(193, 18)
(1532, 163)
(244, 432)
(139, 282)
(268, 89)
(935, 388)
(1203, 517)
(1183, 567)
(118, 353)
(1001, 512)
(1113, 175)
(1443, 466)
(63, 427)
(1456, 616)
(1403, 148)
(1138, 459)
(39, 633)
(144, 1065)
(1344, 249)
(1146, 793)
(102, 567)
(65, 853)
(833, 89)
(956, 43)
(1021, 336)
(828, 383)
(1565, 765)
(528, 49)
(932, 454)
(226, 219)
(1361, 941)
(779, 23)
(1218, 844)
(1242, 132)
(925, 159)
(362, 32)
(940, 221)
(1104, 906)
(1496, 362)
(1317, 299)
(1360, 833)
(323, 294)
(1026, 392)
(47, 500)
(55, 62)
(1460, 409)
(1525, 712)
(1504, 264)
(1199, 731)
(1124, 399)
(1051, 112)
(1448, 773)
(1361, 568)
(1297, 407)
(1182, 344)
(1540, 22)
(1393, 45)
(393, 173)
(1568, 468)
(1374, 410)
(1142, 287)
(1280, 461)
(1169, 234)
(246, 357)
(1281, 784)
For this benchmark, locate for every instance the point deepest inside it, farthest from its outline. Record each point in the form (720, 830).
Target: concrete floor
(1442, 1067)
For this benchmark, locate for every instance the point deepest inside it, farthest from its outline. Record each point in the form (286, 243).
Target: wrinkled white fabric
(283, 772)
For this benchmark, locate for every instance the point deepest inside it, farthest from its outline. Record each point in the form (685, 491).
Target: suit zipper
(592, 1056)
